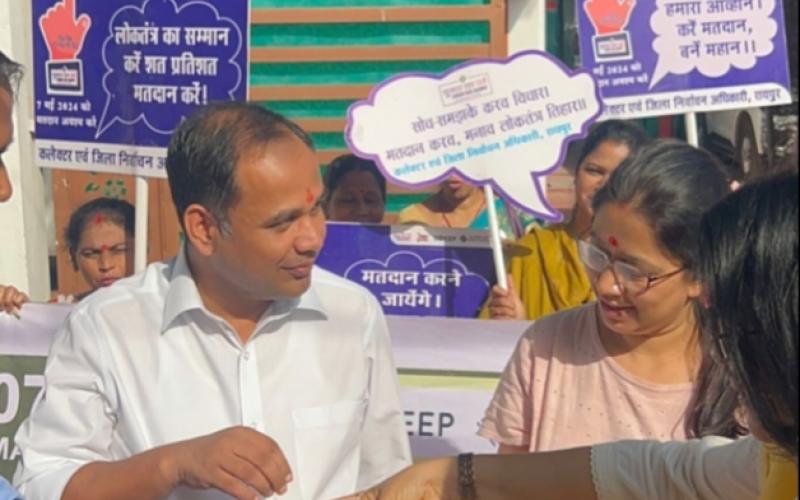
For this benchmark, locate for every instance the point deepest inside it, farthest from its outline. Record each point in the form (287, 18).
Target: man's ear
(5, 184)
(201, 228)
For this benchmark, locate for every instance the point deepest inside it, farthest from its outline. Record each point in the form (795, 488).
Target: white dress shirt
(142, 363)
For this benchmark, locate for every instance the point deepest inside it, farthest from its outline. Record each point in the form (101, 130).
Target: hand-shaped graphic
(63, 32)
(609, 16)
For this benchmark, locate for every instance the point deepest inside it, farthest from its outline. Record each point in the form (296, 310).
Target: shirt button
(246, 355)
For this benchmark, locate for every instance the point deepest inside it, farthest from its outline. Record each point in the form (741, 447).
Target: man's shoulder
(327, 281)
(340, 293)
(148, 285)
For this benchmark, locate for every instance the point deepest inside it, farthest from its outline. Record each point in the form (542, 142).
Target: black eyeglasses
(628, 277)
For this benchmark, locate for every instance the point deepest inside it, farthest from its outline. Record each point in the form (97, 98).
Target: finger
(84, 22)
(70, 6)
(19, 298)
(250, 474)
(504, 301)
(501, 313)
(510, 283)
(5, 300)
(272, 464)
(230, 484)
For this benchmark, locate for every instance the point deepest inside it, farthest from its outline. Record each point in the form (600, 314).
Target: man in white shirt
(230, 369)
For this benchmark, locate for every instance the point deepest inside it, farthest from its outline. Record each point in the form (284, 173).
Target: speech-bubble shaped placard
(501, 122)
(711, 37)
(163, 61)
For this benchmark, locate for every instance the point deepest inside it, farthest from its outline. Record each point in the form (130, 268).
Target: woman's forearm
(552, 475)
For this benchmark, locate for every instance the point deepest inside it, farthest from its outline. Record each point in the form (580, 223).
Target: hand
(11, 300)
(430, 480)
(506, 304)
(63, 32)
(239, 461)
(609, 16)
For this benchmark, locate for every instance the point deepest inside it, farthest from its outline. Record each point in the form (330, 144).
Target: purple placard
(413, 270)
(113, 79)
(662, 57)
(500, 122)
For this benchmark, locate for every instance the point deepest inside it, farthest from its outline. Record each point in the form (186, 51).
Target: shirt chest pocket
(328, 446)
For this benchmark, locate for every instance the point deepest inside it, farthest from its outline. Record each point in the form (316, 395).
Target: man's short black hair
(205, 149)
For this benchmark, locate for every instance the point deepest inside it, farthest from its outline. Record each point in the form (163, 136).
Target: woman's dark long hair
(672, 184)
(748, 264)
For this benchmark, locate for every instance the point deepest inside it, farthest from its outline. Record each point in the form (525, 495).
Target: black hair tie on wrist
(466, 477)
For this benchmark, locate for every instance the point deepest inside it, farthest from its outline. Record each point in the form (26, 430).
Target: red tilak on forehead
(309, 196)
(613, 242)
(103, 248)
(98, 218)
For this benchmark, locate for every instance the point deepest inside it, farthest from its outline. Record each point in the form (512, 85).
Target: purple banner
(661, 57)
(413, 270)
(113, 79)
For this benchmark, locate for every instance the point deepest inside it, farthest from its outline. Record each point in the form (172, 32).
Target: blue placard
(113, 79)
(413, 270)
(662, 57)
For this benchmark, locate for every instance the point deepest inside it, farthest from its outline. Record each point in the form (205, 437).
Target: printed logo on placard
(465, 89)
(64, 33)
(611, 42)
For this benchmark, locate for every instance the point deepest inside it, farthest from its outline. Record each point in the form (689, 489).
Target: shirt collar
(182, 295)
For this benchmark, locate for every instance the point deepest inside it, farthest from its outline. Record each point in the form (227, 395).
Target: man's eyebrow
(284, 216)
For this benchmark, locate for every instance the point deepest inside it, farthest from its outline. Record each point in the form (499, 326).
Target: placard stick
(140, 230)
(494, 238)
(692, 135)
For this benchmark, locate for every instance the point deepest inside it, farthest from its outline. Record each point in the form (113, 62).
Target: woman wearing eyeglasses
(748, 263)
(99, 239)
(625, 366)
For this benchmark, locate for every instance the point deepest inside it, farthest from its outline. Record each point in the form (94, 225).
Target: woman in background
(99, 239)
(547, 275)
(460, 204)
(356, 191)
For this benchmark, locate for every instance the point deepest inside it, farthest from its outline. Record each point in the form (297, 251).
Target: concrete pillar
(24, 237)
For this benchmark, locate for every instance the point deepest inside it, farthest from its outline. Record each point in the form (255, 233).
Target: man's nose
(309, 240)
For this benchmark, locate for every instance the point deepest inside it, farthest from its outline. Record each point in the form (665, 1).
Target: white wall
(23, 228)
(525, 23)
